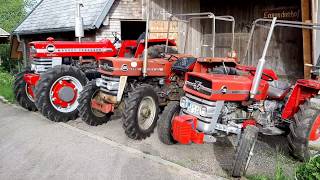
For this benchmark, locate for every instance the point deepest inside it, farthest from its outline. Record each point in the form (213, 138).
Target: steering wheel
(269, 78)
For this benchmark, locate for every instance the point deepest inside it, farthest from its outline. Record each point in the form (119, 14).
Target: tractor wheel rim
(72, 105)
(96, 112)
(314, 138)
(27, 89)
(146, 112)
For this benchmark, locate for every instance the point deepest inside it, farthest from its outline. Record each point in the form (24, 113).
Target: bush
(6, 85)
(309, 170)
(7, 64)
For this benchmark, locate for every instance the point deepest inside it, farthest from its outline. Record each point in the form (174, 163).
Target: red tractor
(243, 100)
(60, 69)
(139, 87)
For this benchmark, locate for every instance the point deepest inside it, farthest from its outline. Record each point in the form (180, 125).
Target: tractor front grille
(41, 65)
(109, 84)
(198, 84)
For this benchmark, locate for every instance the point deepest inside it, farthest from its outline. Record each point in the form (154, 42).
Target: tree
(12, 12)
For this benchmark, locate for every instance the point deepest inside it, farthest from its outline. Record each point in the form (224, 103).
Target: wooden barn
(289, 50)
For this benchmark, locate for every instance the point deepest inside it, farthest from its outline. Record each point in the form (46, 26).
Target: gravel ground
(208, 158)
(214, 159)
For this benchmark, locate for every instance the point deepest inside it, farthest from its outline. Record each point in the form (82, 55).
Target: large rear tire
(57, 92)
(156, 51)
(140, 113)
(88, 115)
(164, 124)
(20, 89)
(300, 130)
(244, 151)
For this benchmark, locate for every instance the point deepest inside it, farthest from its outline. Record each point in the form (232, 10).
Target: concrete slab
(32, 147)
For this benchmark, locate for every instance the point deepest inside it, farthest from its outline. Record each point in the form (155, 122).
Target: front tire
(57, 92)
(141, 112)
(88, 115)
(21, 88)
(244, 151)
(300, 130)
(164, 124)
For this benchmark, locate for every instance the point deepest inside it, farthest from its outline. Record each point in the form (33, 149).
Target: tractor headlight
(33, 67)
(184, 102)
(203, 111)
(99, 82)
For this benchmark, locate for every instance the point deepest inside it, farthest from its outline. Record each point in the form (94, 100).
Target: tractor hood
(220, 87)
(52, 48)
(117, 66)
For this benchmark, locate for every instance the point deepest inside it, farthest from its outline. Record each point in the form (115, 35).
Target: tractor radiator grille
(109, 85)
(41, 65)
(198, 84)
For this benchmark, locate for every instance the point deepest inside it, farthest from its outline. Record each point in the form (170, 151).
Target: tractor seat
(278, 89)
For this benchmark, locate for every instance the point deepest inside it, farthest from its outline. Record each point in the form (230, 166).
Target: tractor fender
(304, 90)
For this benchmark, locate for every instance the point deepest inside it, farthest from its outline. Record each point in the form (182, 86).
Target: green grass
(279, 173)
(6, 86)
(309, 170)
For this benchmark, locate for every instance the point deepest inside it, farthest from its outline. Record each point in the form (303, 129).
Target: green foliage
(279, 174)
(309, 170)
(258, 177)
(6, 85)
(11, 13)
(7, 64)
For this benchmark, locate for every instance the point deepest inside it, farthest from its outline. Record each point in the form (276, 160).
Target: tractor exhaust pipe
(146, 39)
(262, 61)
(79, 31)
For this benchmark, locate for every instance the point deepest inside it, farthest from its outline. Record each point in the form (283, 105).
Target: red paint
(239, 87)
(103, 48)
(156, 67)
(315, 130)
(249, 122)
(185, 130)
(70, 49)
(31, 81)
(105, 108)
(268, 72)
(126, 48)
(303, 90)
(57, 87)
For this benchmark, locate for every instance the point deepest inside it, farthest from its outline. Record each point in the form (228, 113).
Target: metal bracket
(122, 85)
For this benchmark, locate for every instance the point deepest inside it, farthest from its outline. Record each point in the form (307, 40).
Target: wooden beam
(307, 36)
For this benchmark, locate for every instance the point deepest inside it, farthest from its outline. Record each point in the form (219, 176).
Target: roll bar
(203, 15)
(189, 17)
(274, 23)
(278, 23)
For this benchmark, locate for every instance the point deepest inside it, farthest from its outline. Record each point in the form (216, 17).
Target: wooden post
(307, 36)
